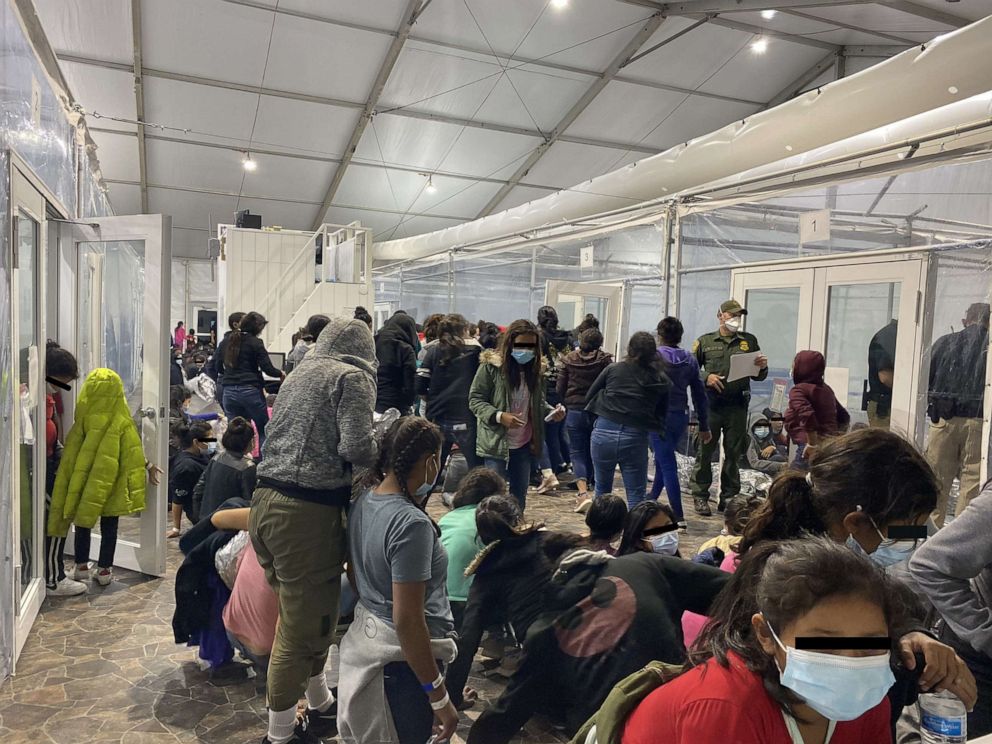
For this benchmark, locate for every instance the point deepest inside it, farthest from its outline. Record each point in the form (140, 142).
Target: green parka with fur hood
(102, 472)
(491, 395)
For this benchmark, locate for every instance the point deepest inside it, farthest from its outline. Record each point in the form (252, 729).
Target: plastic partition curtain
(504, 286)
(194, 282)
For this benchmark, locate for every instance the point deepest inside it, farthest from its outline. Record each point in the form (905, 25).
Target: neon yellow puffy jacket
(102, 472)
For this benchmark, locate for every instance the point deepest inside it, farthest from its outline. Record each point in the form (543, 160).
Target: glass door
(122, 292)
(28, 228)
(779, 309)
(575, 300)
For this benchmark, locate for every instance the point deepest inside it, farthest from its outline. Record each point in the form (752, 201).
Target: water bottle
(943, 718)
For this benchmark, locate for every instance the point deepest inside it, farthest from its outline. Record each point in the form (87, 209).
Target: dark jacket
(604, 623)
(631, 395)
(175, 373)
(322, 421)
(576, 374)
(957, 374)
(512, 581)
(446, 383)
(185, 470)
(683, 372)
(212, 368)
(813, 407)
(252, 360)
(396, 350)
(555, 345)
(226, 476)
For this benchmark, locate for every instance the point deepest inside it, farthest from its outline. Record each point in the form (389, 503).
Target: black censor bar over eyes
(57, 383)
(844, 643)
(659, 530)
(907, 532)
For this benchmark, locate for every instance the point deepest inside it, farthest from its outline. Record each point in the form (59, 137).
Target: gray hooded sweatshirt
(322, 421)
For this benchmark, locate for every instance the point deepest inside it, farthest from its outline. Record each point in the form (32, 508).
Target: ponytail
(789, 512)
(251, 324)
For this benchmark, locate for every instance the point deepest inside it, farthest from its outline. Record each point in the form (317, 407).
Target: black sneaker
(721, 506)
(302, 735)
(323, 725)
(702, 506)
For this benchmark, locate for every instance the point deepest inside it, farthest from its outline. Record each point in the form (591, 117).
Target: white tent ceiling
(500, 101)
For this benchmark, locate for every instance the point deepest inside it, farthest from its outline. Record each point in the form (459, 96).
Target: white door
(121, 321)
(849, 309)
(27, 457)
(575, 300)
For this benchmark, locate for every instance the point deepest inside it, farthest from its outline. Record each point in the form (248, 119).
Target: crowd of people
(826, 607)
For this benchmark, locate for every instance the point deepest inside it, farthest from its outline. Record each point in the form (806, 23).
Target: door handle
(147, 412)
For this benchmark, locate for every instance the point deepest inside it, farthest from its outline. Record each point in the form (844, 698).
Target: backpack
(606, 726)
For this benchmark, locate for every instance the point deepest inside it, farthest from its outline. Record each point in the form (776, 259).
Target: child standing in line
(102, 473)
(814, 412)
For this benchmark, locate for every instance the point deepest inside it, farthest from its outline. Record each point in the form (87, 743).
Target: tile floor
(103, 667)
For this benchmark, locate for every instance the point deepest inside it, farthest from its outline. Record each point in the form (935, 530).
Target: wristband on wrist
(442, 703)
(431, 686)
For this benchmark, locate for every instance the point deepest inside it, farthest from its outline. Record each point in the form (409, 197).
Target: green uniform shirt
(713, 353)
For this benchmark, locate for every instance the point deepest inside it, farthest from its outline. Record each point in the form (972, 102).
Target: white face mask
(733, 324)
(666, 543)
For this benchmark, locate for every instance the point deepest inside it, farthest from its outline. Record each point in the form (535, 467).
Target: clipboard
(743, 365)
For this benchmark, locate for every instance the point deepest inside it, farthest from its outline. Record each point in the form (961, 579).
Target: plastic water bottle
(943, 718)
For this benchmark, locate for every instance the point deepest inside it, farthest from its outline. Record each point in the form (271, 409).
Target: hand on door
(155, 474)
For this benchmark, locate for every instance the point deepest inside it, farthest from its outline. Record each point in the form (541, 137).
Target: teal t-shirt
(459, 538)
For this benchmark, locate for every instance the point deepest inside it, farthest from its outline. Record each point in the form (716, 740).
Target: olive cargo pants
(730, 423)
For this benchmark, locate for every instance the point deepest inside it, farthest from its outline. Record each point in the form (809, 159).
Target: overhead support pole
(851, 27)
(139, 103)
(925, 11)
(669, 40)
(735, 6)
(719, 20)
(640, 39)
(878, 51)
(799, 84)
(410, 16)
(840, 69)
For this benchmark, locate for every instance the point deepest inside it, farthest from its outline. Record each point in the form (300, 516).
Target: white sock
(547, 472)
(319, 696)
(282, 725)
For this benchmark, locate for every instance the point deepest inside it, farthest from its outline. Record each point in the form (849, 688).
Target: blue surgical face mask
(888, 553)
(666, 543)
(523, 356)
(211, 448)
(840, 688)
(762, 431)
(424, 490)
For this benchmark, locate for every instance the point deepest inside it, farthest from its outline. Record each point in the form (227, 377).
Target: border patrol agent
(728, 405)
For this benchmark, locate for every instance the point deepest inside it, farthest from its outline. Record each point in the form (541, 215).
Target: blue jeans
(248, 402)
(407, 704)
(666, 469)
(580, 425)
(614, 444)
(516, 472)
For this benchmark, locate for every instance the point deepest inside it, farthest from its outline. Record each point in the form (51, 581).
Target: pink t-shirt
(692, 624)
(253, 609)
(520, 407)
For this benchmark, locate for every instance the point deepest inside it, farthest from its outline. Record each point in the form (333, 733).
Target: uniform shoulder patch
(695, 346)
(745, 346)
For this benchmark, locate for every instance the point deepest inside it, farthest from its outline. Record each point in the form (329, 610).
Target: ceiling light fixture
(953, 90)
(759, 46)
(248, 164)
(769, 14)
(559, 4)
(430, 188)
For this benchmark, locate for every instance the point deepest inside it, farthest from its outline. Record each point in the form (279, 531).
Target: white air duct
(951, 68)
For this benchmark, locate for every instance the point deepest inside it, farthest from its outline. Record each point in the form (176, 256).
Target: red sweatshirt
(711, 704)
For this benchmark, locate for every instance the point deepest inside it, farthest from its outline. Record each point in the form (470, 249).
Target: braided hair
(406, 442)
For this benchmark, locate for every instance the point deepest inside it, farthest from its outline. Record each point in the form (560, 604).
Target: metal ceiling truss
(798, 85)
(139, 102)
(640, 39)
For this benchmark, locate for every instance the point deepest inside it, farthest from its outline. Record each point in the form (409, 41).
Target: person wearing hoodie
(321, 429)
(507, 398)
(814, 413)
(556, 343)
(444, 380)
(396, 349)
(764, 453)
(683, 371)
(511, 580)
(577, 373)
(630, 401)
(102, 473)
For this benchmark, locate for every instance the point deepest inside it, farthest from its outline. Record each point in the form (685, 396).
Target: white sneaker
(104, 576)
(81, 572)
(548, 483)
(583, 508)
(67, 588)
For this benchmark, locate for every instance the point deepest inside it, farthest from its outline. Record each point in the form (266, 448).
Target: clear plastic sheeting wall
(194, 284)
(512, 284)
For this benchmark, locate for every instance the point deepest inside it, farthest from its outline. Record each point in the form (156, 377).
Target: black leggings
(108, 542)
